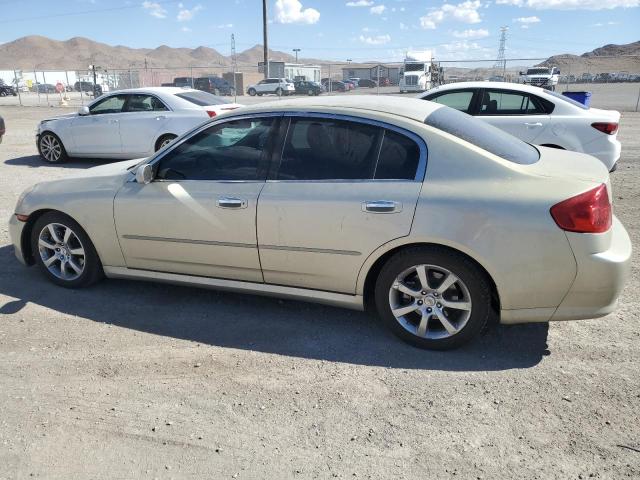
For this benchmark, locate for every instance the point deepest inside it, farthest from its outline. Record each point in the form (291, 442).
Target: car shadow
(34, 161)
(262, 324)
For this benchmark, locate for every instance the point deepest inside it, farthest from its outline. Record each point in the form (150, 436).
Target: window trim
(279, 148)
(531, 97)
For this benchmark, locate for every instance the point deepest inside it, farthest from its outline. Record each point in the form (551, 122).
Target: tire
(3, 94)
(51, 148)
(216, 92)
(87, 262)
(252, 92)
(420, 324)
(165, 140)
(279, 91)
(310, 93)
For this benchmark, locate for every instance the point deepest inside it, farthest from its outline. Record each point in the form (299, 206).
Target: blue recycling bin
(582, 97)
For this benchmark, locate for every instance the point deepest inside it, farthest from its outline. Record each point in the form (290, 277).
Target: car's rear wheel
(2, 93)
(216, 92)
(165, 140)
(433, 298)
(51, 148)
(279, 91)
(64, 252)
(310, 92)
(252, 92)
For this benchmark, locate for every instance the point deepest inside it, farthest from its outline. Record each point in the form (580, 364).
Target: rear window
(201, 98)
(567, 99)
(483, 135)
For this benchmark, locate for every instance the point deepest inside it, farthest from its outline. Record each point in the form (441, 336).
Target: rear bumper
(600, 278)
(607, 150)
(15, 234)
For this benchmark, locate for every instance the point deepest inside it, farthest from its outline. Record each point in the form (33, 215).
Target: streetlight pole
(296, 50)
(264, 40)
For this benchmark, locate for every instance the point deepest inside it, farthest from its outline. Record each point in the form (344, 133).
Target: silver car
(435, 219)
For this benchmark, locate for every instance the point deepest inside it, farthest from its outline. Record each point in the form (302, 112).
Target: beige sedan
(435, 219)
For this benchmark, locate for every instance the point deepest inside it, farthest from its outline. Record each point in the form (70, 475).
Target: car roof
(413, 108)
(499, 85)
(156, 90)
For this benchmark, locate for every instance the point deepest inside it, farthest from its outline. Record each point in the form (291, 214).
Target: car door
(198, 215)
(99, 132)
(517, 113)
(144, 117)
(344, 187)
(262, 86)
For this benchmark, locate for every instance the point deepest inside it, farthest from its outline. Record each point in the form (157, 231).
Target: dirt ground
(138, 380)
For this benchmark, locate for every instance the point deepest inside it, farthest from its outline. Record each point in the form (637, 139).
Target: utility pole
(235, 66)
(296, 50)
(264, 39)
(501, 61)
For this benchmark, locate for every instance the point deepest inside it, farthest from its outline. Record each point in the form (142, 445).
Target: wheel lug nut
(420, 302)
(429, 310)
(439, 305)
(423, 293)
(435, 294)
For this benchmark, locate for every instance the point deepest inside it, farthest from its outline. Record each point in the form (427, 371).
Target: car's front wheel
(252, 92)
(165, 140)
(64, 252)
(279, 91)
(51, 148)
(433, 298)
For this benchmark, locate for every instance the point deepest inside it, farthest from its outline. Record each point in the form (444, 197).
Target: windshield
(538, 71)
(201, 98)
(567, 99)
(483, 135)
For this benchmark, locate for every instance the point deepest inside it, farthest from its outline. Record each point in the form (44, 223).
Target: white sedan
(126, 124)
(537, 116)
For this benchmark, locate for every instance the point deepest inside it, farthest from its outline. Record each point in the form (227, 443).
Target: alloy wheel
(50, 148)
(61, 251)
(430, 302)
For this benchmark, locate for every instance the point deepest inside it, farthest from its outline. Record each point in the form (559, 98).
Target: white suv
(279, 86)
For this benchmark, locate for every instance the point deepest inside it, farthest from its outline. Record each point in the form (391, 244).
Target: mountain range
(42, 53)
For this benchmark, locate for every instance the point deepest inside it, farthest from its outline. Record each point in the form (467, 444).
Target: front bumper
(15, 234)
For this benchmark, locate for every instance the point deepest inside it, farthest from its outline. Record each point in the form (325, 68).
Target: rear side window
(499, 102)
(327, 149)
(460, 100)
(483, 135)
(399, 157)
(201, 98)
(567, 99)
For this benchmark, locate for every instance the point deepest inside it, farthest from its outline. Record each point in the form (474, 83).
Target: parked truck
(420, 72)
(545, 77)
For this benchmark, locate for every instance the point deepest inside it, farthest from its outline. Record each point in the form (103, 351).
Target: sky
(359, 30)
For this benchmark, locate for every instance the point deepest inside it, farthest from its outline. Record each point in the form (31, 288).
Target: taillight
(589, 212)
(211, 113)
(606, 127)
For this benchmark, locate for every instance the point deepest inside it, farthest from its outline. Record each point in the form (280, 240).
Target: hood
(66, 115)
(108, 169)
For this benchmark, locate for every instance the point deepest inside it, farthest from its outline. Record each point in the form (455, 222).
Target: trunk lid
(570, 165)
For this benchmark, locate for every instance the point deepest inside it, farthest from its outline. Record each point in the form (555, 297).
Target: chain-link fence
(618, 90)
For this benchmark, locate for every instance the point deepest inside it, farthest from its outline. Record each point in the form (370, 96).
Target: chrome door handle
(113, 121)
(535, 124)
(231, 202)
(381, 206)
(161, 117)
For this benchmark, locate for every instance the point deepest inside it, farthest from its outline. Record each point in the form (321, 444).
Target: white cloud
(155, 9)
(571, 4)
(466, 12)
(403, 26)
(186, 29)
(463, 47)
(378, 9)
(600, 24)
(225, 25)
(291, 11)
(185, 14)
(471, 33)
(360, 3)
(527, 20)
(377, 40)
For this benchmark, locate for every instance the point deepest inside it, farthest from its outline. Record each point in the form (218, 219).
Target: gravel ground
(138, 380)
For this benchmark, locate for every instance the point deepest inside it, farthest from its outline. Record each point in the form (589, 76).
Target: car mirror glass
(144, 174)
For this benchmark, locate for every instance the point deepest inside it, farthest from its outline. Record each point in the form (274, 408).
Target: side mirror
(84, 111)
(144, 174)
(520, 73)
